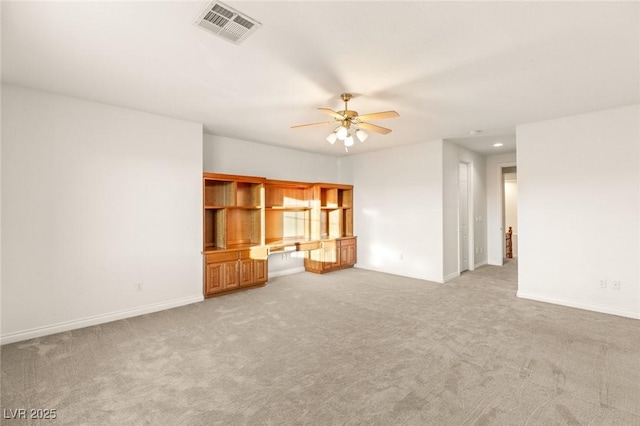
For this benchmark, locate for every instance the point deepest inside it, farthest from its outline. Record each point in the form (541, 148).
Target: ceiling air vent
(227, 22)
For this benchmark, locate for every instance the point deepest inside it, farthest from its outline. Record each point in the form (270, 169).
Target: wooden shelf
(288, 208)
(287, 194)
(218, 193)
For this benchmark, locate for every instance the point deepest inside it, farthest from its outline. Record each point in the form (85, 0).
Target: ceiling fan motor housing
(346, 97)
(349, 117)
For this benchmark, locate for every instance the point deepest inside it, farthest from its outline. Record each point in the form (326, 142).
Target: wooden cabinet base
(235, 290)
(335, 254)
(232, 270)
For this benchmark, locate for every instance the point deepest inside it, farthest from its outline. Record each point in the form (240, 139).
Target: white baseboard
(414, 276)
(451, 277)
(95, 320)
(477, 265)
(579, 305)
(286, 272)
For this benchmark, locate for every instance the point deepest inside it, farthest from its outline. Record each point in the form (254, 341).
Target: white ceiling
(446, 67)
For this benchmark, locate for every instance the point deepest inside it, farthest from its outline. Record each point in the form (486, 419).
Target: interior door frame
(501, 206)
(470, 218)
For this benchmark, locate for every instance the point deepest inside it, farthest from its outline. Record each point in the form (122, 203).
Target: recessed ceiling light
(497, 144)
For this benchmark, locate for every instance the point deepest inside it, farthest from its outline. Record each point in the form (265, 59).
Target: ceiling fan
(348, 119)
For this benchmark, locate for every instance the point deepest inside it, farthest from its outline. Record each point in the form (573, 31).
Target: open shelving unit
(233, 215)
(336, 210)
(287, 213)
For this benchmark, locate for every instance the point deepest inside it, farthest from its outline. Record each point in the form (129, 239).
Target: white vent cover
(227, 22)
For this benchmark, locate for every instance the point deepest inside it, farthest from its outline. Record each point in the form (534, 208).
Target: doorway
(510, 212)
(463, 216)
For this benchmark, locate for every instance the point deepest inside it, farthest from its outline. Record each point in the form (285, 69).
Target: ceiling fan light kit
(348, 141)
(348, 118)
(332, 137)
(342, 132)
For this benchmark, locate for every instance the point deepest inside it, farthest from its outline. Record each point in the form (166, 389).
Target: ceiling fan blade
(332, 113)
(378, 115)
(312, 124)
(374, 128)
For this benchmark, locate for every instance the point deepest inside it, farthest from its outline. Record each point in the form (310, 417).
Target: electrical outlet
(138, 287)
(615, 285)
(284, 256)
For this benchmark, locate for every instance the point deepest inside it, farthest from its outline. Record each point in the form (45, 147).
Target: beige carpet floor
(350, 347)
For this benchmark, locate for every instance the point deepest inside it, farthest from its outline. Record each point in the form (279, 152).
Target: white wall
(234, 156)
(495, 233)
(452, 156)
(398, 195)
(579, 210)
(95, 199)
(398, 210)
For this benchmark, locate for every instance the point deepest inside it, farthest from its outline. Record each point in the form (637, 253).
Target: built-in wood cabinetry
(246, 218)
(333, 254)
(335, 210)
(230, 270)
(333, 217)
(233, 243)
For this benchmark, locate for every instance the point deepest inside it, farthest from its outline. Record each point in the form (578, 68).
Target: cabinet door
(260, 271)
(352, 254)
(348, 252)
(231, 275)
(344, 255)
(215, 278)
(331, 257)
(246, 272)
